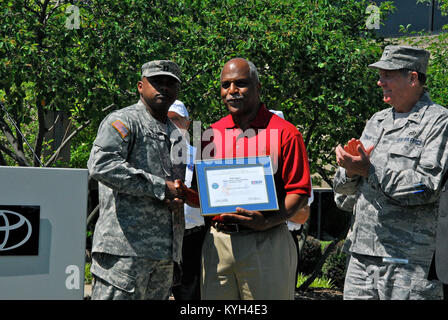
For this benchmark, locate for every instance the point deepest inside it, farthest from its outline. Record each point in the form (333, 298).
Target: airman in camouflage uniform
(137, 155)
(397, 182)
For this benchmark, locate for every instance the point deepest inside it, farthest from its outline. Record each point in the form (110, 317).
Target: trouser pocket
(115, 270)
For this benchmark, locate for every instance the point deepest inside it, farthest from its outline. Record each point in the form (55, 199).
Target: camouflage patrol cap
(403, 57)
(161, 67)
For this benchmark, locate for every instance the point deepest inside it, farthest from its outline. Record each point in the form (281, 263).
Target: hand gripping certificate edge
(201, 167)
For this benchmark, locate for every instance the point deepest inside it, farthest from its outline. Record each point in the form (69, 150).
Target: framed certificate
(225, 184)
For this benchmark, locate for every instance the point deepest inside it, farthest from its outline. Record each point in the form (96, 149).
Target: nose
(162, 87)
(233, 88)
(381, 82)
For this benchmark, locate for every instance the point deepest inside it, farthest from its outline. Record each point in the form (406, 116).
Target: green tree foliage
(437, 45)
(438, 67)
(312, 57)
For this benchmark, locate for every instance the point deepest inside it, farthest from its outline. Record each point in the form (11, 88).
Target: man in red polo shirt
(250, 254)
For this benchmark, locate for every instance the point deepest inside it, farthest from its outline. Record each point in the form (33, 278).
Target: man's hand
(175, 204)
(177, 189)
(173, 198)
(257, 221)
(251, 219)
(352, 147)
(354, 158)
(172, 190)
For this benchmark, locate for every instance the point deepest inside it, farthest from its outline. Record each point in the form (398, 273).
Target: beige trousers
(248, 265)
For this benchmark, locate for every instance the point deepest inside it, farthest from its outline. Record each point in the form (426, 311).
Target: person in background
(188, 287)
(295, 224)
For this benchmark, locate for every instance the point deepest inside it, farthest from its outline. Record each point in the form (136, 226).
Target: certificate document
(236, 186)
(226, 184)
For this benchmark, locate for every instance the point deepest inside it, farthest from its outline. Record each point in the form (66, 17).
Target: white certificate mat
(236, 186)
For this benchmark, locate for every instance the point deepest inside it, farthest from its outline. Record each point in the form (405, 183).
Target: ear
(413, 78)
(258, 86)
(140, 86)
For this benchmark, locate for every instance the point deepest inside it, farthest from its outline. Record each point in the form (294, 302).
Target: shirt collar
(261, 119)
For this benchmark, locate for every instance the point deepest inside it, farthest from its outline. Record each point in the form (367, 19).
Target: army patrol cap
(161, 67)
(403, 57)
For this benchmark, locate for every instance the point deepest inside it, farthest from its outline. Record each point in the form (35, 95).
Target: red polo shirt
(268, 134)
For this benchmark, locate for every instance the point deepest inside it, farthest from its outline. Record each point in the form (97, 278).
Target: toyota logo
(10, 221)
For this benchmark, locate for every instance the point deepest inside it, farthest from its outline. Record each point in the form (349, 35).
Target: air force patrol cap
(161, 67)
(403, 57)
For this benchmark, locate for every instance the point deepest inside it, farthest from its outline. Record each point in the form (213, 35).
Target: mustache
(234, 98)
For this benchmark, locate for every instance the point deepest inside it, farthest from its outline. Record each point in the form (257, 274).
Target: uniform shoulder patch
(121, 128)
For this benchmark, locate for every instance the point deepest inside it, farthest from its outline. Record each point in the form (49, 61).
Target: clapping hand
(354, 158)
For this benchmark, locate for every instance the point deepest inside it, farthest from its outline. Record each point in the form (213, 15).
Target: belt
(231, 227)
(187, 232)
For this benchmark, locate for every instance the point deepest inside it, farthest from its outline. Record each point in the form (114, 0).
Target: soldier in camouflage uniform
(397, 182)
(136, 158)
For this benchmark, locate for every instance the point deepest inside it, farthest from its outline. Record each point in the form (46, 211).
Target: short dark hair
(421, 76)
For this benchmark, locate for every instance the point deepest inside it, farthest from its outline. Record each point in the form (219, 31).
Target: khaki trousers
(248, 265)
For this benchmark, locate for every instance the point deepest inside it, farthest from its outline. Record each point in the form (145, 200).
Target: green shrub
(322, 282)
(88, 276)
(311, 254)
(335, 265)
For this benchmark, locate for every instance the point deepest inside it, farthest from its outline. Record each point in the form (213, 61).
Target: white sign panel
(43, 213)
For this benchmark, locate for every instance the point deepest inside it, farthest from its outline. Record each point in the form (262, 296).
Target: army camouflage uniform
(136, 237)
(397, 206)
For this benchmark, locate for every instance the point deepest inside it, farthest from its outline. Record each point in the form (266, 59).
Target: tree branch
(54, 123)
(18, 155)
(56, 6)
(2, 160)
(73, 134)
(28, 8)
(40, 134)
(324, 176)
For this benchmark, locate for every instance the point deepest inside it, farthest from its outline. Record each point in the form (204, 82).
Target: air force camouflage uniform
(392, 238)
(131, 158)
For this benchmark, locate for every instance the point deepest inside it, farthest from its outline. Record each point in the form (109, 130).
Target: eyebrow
(244, 80)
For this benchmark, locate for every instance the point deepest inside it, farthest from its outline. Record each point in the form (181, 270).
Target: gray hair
(421, 76)
(253, 71)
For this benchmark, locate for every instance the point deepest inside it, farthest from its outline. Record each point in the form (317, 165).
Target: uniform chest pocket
(155, 140)
(157, 149)
(404, 157)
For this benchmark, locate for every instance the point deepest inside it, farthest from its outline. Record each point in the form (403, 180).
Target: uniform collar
(418, 111)
(155, 125)
(415, 115)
